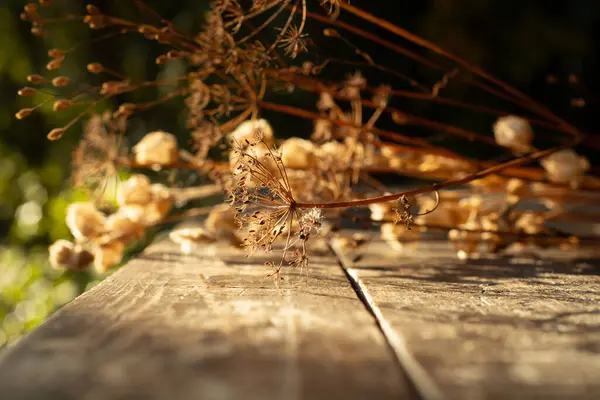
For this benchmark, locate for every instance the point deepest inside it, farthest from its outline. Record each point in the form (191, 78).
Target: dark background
(547, 49)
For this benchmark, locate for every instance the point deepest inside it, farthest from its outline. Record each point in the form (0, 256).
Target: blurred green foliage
(520, 40)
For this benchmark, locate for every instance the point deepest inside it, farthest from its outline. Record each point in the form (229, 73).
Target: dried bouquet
(256, 58)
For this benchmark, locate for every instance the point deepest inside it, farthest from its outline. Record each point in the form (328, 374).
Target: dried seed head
(513, 132)
(36, 79)
(156, 148)
(24, 113)
(84, 221)
(56, 133)
(135, 190)
(107, 255)
(95, 68)
(566, 167)
(60, 81)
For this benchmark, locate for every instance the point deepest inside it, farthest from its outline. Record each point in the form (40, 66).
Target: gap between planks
(421, 383)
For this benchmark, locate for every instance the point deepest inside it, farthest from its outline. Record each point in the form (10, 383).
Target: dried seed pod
(55, 64)
(62, 104)
(84, 221)
(107, 255)
(27, 91)
(514, 132)
(135, 190)
(24, 113)
(156, 148)
(61, 81)
(56, 133)
(565, 167)
(56, 53)
(95, 68)
(298, 153)
(36, 79)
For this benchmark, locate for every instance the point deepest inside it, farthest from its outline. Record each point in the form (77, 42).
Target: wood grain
(169, 326)
(518, 327)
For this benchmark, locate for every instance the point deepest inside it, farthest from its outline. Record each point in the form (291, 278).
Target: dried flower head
(64, 254)
(135, 190)
(108, 255)
(156, 148)
(514, 132)
(84, 221)
(566, 167)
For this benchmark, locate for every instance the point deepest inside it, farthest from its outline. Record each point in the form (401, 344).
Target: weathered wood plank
(169, 326)
(500, 328)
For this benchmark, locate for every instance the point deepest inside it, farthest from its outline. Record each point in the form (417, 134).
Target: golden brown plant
(280, 198)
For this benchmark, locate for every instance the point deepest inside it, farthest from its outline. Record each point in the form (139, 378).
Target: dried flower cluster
(281, 191)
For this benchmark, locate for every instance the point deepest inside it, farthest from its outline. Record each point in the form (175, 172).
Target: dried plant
(281, 197)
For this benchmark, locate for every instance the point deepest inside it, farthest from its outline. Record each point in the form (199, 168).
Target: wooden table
(369, 323)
